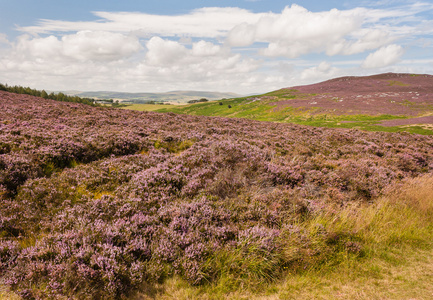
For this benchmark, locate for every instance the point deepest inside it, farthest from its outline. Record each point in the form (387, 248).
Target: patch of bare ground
(396, 94)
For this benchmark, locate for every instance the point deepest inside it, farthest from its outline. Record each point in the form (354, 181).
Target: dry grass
(398, 237)
(6, 295)
(405, 274)
(373, 279)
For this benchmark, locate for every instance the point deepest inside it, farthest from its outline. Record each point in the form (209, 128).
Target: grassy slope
(262, 110)
(397, 261)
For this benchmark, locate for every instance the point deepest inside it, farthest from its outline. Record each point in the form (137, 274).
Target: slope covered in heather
(97, 201)
(363, 102)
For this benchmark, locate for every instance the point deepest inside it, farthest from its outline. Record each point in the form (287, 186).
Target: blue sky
(234, 46)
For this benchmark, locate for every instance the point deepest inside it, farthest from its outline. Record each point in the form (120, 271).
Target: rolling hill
(362, 102)
(173, 96)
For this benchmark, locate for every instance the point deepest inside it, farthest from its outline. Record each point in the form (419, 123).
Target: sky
(241, 46)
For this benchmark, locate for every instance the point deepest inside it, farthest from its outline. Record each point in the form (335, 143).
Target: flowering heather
(96, 201)
(390, 93)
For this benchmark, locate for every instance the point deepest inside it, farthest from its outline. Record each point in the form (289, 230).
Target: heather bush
(96, 201)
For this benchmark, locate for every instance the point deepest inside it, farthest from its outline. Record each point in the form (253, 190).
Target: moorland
(105, 203)
(386, 102)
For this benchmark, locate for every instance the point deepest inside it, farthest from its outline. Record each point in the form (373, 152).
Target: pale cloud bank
(323, 70)
(226, 49)
(81, 46)
(204, 22)
(383, 57)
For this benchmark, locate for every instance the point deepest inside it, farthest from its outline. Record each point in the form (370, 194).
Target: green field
(143, 107)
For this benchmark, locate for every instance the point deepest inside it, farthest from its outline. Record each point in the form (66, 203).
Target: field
(366, 103)
(102, 203)
(144, 107)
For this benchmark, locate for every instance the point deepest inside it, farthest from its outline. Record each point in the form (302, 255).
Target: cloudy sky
(243, 46)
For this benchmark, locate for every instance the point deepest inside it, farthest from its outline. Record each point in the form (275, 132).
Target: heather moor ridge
(103, 203)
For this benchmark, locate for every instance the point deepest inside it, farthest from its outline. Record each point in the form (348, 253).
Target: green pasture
(143, 107)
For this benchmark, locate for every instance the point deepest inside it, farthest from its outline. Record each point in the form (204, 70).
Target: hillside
(98, 202)
(348, 102)
(393, 94)
(173, 96)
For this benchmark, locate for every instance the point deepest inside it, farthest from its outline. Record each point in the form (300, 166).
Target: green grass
(143, 107)
(396, 82)
(264, 111)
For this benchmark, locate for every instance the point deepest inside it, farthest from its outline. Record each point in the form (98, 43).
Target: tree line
(54, 96)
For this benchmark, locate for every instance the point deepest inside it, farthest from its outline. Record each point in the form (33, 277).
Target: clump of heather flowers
(96, 201)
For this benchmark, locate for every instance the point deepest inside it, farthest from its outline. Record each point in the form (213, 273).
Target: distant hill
(363, 102)
(390, 93)
(174, 96)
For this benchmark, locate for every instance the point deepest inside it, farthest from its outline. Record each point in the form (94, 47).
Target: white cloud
(292, 33)
(367, 39)
(163, 65)
(296, 23)
(82, 46)
(204, 59)
(383, 57)
(241, 35)
(100, 45)
(203, 48)
(163, 52)
(322, 71)
(204, 22)
(297, 31)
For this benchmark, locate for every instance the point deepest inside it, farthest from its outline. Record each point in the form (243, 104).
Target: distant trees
(197, 101)
(43, 94)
